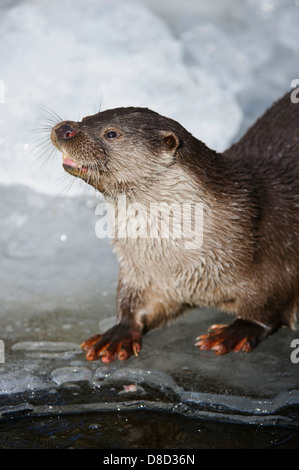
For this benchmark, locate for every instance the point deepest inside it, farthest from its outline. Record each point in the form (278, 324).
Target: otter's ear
(170, 142)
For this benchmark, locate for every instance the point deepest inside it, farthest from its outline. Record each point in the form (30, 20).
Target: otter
(245, 263)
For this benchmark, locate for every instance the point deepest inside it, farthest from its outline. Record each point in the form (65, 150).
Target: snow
(213, 66)
(104, 54)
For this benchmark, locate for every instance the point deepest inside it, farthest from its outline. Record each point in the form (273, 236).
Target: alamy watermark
(295, 93)
(155, 221)
(295, 352)
(2, 352)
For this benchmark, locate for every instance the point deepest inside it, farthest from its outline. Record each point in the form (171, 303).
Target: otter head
(118, 150)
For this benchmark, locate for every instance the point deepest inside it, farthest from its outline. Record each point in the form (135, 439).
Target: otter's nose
(65, 132)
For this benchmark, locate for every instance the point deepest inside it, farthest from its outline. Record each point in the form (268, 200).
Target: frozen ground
(215, 69)
(58, 287)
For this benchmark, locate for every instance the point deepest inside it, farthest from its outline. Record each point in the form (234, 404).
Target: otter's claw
(241, 335)
(119, 342)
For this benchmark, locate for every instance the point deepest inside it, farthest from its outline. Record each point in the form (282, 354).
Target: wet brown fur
(248, 263)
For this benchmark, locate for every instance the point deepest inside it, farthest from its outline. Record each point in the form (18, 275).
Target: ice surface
(222, 59)
(213, 66)
(70, 374)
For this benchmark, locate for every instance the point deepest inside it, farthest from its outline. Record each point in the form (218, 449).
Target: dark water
(139, 430)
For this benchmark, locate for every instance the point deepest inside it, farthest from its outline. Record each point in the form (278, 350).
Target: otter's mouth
(72, 166)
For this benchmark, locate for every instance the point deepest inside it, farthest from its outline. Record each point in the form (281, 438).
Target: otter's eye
(110, 135)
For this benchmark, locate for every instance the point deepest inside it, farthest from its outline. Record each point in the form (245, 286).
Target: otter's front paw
(119, 342)
(241, 335)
